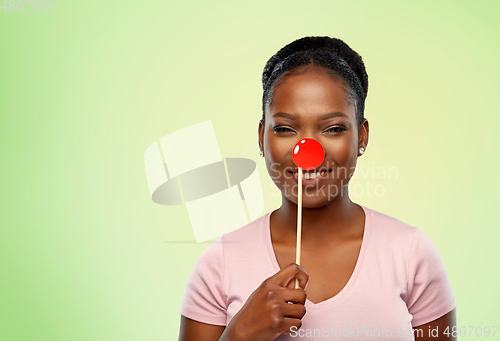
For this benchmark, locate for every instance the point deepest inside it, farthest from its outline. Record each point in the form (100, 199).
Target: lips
(323, 174)
(316, 170)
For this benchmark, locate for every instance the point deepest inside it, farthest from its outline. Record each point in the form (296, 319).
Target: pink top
(399, 281)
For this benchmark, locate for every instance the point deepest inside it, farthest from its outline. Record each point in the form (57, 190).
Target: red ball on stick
(308, 154)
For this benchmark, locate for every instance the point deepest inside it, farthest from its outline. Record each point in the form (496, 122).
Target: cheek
(272, 169)
(279, 160)
(343, 151)
(280, 149)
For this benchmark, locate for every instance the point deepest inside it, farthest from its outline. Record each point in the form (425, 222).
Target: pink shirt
(399, 281)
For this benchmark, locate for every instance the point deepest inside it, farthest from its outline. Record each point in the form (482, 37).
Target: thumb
(290, 273)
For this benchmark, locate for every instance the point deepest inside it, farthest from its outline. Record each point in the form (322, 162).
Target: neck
(318, 224)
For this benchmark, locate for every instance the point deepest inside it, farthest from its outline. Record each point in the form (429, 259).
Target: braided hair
(330, 53)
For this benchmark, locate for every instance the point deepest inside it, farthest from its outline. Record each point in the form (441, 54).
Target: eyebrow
(323, 117)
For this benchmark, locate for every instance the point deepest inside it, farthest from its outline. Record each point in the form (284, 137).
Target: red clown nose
(308, 154)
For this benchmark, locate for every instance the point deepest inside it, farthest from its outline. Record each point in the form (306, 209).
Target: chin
(312, 202)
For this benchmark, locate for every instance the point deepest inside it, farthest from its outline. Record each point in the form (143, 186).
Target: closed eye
(282, 130)
(337, 129)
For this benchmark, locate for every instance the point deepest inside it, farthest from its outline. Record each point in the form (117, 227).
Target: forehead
(311, 90)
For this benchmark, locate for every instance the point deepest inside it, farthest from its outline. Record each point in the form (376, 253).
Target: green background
(85, 254)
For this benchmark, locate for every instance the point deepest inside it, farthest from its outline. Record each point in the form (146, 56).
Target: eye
(282, 130)
(337, 129)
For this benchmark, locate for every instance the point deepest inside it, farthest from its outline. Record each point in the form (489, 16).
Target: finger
(293, 281)
(291, 325)
(294, 295)
(293, 310)
(289, 273)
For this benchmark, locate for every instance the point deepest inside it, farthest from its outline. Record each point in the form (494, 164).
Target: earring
(261, 154)
(361, 150)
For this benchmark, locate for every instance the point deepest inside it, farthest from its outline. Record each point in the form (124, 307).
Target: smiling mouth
(312, 174)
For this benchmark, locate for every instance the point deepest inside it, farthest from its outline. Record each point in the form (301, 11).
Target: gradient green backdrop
(85, 254)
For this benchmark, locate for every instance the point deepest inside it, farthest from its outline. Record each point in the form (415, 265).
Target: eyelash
(341, 127)
(277, 129)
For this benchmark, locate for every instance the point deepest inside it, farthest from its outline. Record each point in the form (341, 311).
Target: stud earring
(261, 154)
(361, 150)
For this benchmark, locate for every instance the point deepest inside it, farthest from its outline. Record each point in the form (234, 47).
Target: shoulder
(246, 237)
(248, 234)
(410, 240)
(386, 228)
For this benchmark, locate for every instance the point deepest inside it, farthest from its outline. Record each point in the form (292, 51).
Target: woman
(366, 275)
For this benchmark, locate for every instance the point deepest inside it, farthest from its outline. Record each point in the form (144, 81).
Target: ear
(363, 132)
(261, 135)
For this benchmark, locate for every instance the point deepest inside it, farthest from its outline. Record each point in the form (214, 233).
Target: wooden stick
(299, 225)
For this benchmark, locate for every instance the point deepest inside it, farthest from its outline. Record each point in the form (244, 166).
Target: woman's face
(312, 104)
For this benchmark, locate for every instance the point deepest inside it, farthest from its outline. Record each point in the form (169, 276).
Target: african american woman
(363, 274)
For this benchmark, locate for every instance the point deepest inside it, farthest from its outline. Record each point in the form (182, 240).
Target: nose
(308, 153)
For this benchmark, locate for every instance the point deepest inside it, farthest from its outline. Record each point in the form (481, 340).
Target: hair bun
(329, 44)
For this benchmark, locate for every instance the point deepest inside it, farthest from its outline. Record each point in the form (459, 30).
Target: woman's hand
(267, 314)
